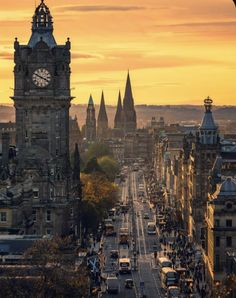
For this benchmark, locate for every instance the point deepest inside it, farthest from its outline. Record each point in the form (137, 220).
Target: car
(114, 254)
(129, 283)
(146, 216)
(173, 292)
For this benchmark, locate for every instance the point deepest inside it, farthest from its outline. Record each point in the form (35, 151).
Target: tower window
(36, 193)
(217, 223)
(217, 263)
(34, 215)
(217, 241)
(229, 241)
(3, 216)
(229, 223)
(48, 216)
(26, 134)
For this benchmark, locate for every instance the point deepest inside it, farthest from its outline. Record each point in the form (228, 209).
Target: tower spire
(42, 26)
(118, 121)
(130, 119)
(102, 115)
(208, 128)
(102, 126)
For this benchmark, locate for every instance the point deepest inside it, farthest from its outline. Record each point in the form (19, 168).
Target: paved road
(146, 272)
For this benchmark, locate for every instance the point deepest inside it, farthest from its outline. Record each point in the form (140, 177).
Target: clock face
(41, 77)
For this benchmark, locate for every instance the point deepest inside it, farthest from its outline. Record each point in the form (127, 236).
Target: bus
(124, 236)
(124, 265)
(151, 228)
(169, 277)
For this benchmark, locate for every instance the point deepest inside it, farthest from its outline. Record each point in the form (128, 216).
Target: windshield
(124, 264)
(174, 292)
(171, 274)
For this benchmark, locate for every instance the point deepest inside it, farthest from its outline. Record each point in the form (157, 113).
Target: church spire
(102, 116)
(118, 121)
(90, 127)
(42, 26)
(128, 99)
(76, 167)
(102, 128)
(130, 119)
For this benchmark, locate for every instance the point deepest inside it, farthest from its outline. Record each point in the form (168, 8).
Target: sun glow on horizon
(178, 52)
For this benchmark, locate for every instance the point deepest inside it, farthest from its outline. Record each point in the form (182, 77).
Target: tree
(98, 150)
(99, 195)
(92, 166)
(109, 166)
(49, 272)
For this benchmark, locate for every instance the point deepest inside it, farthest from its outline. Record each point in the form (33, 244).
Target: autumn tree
(50, 272)
(99, 195)
(98, 150)
(109, 166)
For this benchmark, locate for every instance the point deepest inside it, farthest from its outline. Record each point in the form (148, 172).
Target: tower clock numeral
(41, 77)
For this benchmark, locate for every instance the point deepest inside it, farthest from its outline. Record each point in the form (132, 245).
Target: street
(146, 278)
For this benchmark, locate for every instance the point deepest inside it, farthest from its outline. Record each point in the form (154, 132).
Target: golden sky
(178, 51)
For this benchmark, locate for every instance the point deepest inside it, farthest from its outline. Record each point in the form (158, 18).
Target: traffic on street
(143, 253)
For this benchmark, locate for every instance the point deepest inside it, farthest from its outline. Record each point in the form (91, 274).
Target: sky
(177, 51)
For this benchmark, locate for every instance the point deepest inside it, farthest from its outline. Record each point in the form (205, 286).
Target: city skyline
(179, 53)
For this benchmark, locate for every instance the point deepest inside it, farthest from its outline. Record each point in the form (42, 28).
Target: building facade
(42, 99)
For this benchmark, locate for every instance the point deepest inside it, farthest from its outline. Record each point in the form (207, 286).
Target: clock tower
(42, 100)
(42, 91)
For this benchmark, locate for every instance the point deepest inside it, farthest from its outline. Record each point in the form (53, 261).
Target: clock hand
(45, 79)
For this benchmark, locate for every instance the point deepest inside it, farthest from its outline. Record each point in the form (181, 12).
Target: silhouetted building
(130, 121)
(90, 126)
(40, 194)
(102, 121)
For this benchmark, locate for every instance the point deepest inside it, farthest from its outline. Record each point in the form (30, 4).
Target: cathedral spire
(102, 116)
(42, 26)
(128, 99)
(102, 122)
(118, 122)
(130, 120)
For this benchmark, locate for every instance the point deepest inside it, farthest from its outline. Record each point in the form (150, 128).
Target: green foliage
(98, 150)
(92, 166)
(109, 166)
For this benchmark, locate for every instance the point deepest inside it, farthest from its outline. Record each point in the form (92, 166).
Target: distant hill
(171, 113)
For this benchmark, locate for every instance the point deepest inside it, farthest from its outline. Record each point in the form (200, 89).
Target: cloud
(118, 61)
(98, 8)
(6, 55)
(101, 81)
(202, 24)
(84, 56)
